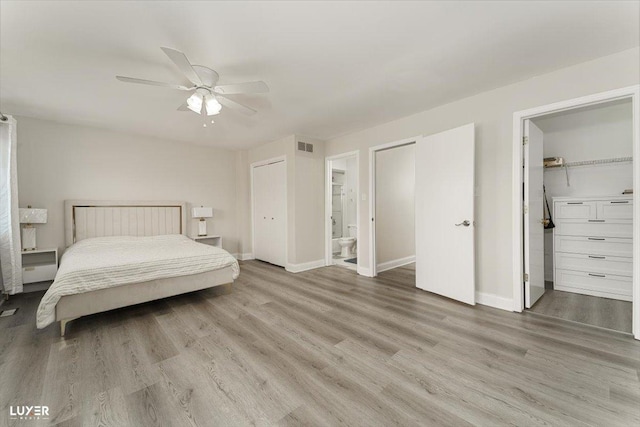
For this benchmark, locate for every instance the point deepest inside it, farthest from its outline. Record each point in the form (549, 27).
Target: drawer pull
(596, 257)
(596, 220)
(597, 275)
(574, 203)
(596, 238)
(623, 201)
(29, 268)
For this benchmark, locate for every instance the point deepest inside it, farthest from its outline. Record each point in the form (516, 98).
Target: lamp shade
(33, 216)
(202, 212)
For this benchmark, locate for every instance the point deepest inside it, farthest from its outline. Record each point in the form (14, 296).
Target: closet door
(260, 211)
(278, 210)
(534, 216)
(269, 213)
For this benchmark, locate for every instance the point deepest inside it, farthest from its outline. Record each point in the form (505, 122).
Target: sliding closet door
(269, 213)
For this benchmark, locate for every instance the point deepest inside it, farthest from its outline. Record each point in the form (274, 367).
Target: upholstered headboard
(100, 218)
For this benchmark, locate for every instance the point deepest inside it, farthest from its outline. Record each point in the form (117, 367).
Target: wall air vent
(305, 146)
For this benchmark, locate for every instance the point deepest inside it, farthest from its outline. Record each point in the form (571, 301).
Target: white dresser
(593, 250)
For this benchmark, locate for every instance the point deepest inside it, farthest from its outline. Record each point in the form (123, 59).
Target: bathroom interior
(344, 212)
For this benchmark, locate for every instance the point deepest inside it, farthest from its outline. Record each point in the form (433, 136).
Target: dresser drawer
(606, 228)
(38, 273)
(601, 285)
(608, 246)
(575, 210)
(615, 209)
(595, 263)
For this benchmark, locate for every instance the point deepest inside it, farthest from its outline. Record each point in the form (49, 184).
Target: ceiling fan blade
(235, 105)
(249, 87)
(152, 83)
(181, 61)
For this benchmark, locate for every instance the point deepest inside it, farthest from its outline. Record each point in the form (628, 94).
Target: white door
(261, 209)
(277, 219)
(534, 214)
(269, 213)
(444, 197)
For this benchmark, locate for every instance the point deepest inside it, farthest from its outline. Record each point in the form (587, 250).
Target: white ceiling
(333, 67)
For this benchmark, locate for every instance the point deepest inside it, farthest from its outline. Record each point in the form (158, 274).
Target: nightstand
(209, 240)
(39, 265)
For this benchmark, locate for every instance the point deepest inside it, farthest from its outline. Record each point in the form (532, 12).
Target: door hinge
(525, 209)
(525, 140)
(525, 277)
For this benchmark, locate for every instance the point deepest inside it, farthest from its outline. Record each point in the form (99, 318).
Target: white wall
(340, 164)
(309, 203)
(593, 133)
(395, 204)
(493, 114)
(57, 162)
(351, 194)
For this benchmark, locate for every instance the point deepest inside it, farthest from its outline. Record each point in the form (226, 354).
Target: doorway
(444, 222)
(576, 225)
(342, 210)
(394, 209)
(392, 205)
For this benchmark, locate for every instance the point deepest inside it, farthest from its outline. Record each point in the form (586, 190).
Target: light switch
(364, 197)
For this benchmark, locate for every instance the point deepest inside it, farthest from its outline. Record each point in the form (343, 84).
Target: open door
(444, 203)
(533, 213)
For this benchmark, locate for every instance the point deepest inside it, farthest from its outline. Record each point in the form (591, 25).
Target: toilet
(348, 243)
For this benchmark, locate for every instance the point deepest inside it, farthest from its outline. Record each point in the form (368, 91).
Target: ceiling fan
(207, 97)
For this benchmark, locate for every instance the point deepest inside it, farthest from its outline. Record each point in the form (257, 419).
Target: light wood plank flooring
(601, 312)
(324, 347)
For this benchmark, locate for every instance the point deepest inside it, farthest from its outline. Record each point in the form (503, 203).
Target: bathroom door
(444, 213)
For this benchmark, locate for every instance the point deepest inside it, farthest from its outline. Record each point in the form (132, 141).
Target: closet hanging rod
(594, 162)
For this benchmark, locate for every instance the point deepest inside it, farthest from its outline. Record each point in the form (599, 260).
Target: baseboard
(384, 266)
(494, 301)
(244, 257)
(363, 271)
(297, 268)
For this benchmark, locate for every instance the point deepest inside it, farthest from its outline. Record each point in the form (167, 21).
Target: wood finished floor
(601, 312)
(324, 347)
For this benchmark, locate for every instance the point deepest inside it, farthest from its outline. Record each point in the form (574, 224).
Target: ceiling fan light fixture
(194, 103)
(212, 105)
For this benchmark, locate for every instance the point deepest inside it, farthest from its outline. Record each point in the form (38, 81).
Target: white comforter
(106, 262)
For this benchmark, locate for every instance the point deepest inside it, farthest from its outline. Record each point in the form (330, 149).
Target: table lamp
(202, 213)
(28, 217)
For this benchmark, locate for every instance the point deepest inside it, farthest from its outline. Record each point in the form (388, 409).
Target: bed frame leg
(63, 326)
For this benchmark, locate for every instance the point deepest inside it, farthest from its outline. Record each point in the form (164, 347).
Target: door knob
(466, 223)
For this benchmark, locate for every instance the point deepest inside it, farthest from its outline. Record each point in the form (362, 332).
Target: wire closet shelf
(567, 165)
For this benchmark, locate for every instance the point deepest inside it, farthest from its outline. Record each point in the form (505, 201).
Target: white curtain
(10, 257)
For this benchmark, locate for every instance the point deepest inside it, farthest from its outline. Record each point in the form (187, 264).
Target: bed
(125, 253)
